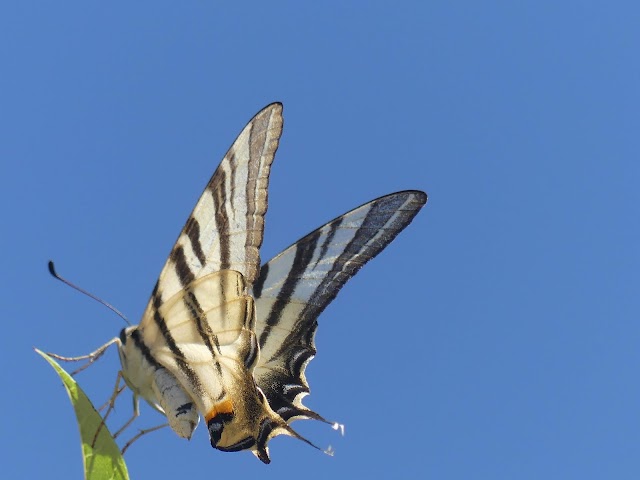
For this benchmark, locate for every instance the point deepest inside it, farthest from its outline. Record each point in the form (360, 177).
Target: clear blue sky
(497, 338)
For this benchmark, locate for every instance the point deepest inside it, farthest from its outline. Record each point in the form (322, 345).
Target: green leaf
(100, 453)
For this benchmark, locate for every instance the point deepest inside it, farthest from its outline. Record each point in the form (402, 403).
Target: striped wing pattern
(223, 233)
(296, 286)
(225, 229)
(198, 327)
(206, 336)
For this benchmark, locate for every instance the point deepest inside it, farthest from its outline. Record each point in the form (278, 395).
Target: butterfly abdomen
(153, 382)
(178, 406)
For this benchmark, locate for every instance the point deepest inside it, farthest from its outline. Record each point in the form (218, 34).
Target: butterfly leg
(111, 403)
(91, 357)
(140, 434)
(136, 414)
(112, 399)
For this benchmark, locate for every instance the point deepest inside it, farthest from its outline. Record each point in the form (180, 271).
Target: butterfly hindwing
(296, 286)
(208, 335)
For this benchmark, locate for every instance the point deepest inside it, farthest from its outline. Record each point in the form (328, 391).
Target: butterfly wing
(198, 324)
(225, 229)
(204, 336)
(296, 286)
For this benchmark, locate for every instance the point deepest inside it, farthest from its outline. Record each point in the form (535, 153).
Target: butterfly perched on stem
(229, 340)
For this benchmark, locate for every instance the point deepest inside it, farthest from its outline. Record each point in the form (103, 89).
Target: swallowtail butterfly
(228, 340)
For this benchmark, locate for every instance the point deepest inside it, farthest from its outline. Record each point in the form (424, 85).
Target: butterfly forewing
(223, 233)
(296, 286)
(225, 229)
(199, 322)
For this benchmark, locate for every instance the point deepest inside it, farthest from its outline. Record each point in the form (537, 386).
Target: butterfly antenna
(52, 271)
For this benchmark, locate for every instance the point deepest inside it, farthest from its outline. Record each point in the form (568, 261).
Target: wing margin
(295, 287)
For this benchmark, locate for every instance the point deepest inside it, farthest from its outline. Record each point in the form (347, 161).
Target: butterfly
(227, 339)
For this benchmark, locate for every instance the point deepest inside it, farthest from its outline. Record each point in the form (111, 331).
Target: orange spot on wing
(222, 407)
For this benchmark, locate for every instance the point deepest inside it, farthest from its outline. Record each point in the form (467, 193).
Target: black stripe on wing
(175, 349)
(297, 285)
(225, 228)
